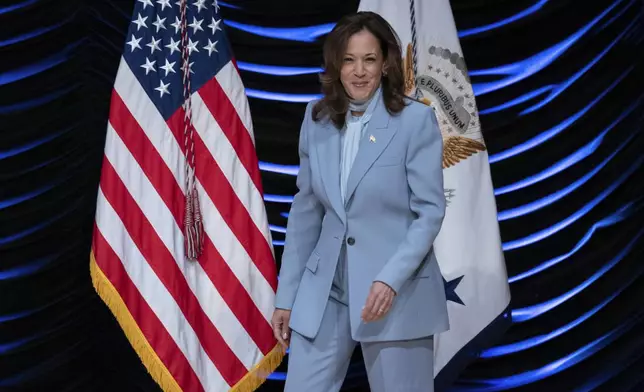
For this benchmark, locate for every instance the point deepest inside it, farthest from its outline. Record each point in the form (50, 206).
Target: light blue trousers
(320, 365)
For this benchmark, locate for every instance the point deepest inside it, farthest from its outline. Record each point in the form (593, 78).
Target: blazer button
(351, 241)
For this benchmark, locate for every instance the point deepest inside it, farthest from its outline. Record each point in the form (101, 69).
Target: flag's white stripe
(156, 295)
(232, 84)
(160, 135)
(236, 256)
(155, 210)
(150, 120)
(224, 153)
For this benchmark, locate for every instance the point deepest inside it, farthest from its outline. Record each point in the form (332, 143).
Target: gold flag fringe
(146, 353)
(108, 293)
(256, 377)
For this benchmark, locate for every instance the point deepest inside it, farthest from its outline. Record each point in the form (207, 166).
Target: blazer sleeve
(424, 165)
(304, 224)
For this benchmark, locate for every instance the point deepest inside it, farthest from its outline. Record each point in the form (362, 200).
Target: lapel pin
(372, 138)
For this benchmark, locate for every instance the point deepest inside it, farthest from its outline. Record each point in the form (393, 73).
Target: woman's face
(362, 66)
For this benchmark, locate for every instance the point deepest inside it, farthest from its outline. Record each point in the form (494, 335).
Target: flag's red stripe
(160, 259)
(153, 329)
(234, 213)
(237, 298)
(228, 119)
(147, 157)
(218, 271)
(228, 204)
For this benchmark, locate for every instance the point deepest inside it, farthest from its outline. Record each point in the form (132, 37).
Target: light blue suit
(393, 210)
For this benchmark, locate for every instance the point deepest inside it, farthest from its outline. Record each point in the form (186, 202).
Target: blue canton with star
(450, 289)
(153, 50)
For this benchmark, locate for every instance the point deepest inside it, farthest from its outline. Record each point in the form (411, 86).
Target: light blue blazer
(393, 211)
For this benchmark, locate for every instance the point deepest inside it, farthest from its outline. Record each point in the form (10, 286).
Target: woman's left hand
(379, 302)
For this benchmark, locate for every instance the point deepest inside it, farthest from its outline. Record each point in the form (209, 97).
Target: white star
(176, 24)
(146, 3)
(154, 44)
(164, 3)
(140, 21)
(183, 68)
(160, 23)
(192, 46)
(211, 47)
(199, 4)
(215, 25)
(178, 3)
(196, 25)
(134, 43)
(168, 67)
(216, 6)
(173, 46)
(163, 88)
(148, 66)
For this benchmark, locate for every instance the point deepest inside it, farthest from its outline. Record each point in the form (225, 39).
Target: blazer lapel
(376, 138)
(328, 160)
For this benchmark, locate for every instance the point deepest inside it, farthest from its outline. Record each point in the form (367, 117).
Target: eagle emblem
(459, 148)
(460, 114)
(410, 77)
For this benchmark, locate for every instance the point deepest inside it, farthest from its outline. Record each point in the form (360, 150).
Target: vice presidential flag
(468, 247)
(181, 251)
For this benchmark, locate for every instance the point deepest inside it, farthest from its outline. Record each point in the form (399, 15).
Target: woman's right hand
(281, 330)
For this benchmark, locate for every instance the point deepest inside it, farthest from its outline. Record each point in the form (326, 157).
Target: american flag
(199, 325)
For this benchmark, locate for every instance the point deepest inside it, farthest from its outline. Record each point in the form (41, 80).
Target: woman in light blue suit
(358, 264)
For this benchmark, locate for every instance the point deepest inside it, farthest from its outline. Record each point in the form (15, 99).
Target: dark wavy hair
(335, 102)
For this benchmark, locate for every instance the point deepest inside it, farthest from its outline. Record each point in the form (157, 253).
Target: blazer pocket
(312, 263)
(388, 161)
